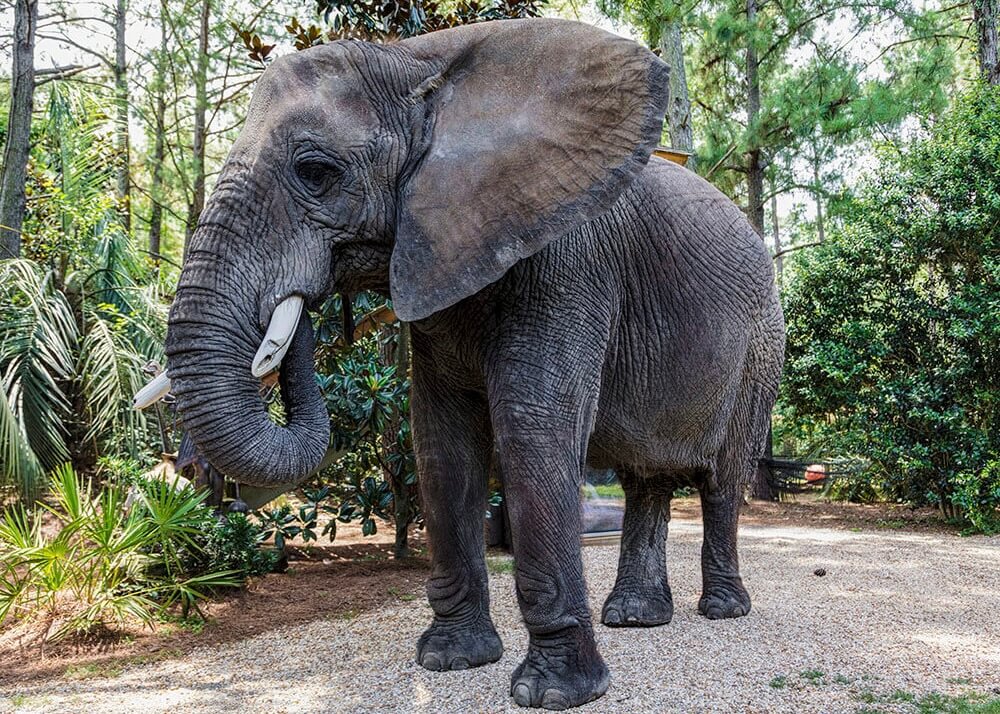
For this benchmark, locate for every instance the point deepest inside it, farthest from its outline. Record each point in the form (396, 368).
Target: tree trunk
(776, 236)
(15, 155)
(200, 111)
(395, 350)
(986, 15)
(818, 195)
(401, 496)
(121, 106)
(159, 146)
(755, 198)
(755, 167)
(679, 105)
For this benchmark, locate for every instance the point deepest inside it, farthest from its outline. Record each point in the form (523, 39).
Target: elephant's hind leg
(452, 435)
(641, 595)
(723, 594)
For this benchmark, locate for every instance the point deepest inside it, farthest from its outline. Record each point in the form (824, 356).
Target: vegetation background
(862, 137)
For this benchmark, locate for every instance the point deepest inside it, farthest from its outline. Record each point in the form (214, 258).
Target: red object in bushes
(815, 472)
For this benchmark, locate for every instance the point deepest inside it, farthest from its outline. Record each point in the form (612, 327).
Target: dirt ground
(355, 575)
(350, 577)
(809, 509)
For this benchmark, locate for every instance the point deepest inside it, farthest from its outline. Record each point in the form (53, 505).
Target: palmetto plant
(77, 322)
(106, 565)
(67, 370)
(38, 340)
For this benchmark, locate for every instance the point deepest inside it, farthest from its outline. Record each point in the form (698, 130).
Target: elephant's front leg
(452, 443)
(540, 452)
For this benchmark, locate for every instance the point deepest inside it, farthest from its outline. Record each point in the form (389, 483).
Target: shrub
(233, 543)
(105, 565)
(367, 388)
(894, 323)
(977, 495)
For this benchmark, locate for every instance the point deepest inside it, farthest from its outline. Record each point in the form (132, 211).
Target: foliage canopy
(894, 324)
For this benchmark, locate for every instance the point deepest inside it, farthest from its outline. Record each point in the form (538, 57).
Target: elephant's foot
(724, 600)
(449, 645)
(560, 673)
(632, 607)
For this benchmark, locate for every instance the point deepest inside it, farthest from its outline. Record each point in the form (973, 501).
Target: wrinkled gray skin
(570, 299)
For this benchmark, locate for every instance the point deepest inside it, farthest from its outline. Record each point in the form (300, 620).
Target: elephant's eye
(316, 176)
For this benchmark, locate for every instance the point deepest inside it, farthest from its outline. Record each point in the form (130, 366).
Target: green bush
(977, 495)
(894, 323)
(282, 524)
(367, 391)
(104, 564)
(233, 543)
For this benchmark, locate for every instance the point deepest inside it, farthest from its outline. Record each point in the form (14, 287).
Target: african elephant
(571, 301)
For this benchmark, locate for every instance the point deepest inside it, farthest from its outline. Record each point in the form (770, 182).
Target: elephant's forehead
(308, 96)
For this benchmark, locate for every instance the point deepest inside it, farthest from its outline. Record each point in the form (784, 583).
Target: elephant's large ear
(532, 128)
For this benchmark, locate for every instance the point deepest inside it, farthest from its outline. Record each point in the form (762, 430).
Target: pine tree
(777, 90)
(15, 158)
(662, 25)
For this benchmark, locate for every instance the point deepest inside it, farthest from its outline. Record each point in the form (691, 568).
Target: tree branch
(57, 73)
(720, 162)
(83, 48)
(793, 248)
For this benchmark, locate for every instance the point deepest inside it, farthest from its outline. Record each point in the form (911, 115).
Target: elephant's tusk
(278, 337)
(153, 392)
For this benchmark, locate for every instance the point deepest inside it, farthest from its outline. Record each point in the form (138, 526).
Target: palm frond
(18, 464)
(110, 373)
(37, 345)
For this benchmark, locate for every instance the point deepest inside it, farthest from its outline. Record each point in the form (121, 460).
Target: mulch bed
(321, 582)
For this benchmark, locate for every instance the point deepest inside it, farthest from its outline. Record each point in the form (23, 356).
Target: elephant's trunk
(211, 343)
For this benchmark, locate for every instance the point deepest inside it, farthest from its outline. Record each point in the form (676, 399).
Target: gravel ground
(895, 612)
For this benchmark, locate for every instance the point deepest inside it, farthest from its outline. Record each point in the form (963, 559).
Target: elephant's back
(688, 248)
(696, 222)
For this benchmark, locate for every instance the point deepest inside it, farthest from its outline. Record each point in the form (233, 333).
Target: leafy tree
(77, 321)
(379, 22)
(894, 324)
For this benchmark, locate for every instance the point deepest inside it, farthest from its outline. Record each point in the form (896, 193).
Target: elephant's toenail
(432, 662)
(522, 694)
(460, 663)
(554, 699)
(612, 617)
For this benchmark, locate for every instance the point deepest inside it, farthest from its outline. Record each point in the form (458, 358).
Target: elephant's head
(423, 169)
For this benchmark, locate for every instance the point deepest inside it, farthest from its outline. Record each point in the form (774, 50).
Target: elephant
(571, 301)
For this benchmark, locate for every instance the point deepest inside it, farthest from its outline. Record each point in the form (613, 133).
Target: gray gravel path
(896, 611)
